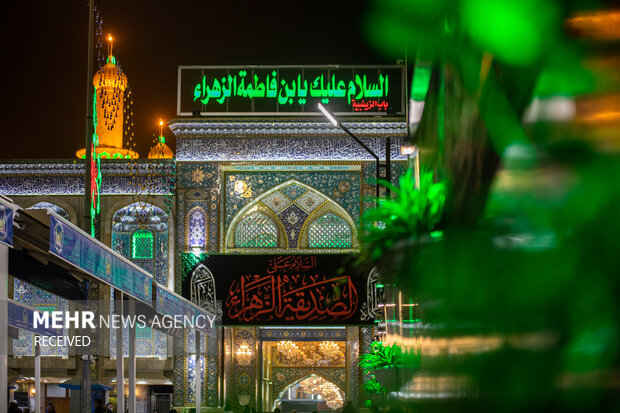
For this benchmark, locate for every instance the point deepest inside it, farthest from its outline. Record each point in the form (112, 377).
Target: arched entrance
(311, 392)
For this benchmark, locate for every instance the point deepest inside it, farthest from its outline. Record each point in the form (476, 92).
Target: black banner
(290, 90)
(284, 289)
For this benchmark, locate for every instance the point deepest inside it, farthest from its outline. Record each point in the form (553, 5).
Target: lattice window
(256, 230)
(329, 231)
(142, 245)
(197, 223)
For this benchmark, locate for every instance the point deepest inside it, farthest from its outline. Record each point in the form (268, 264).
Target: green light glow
(441, 115)
(421, 81)
(516, 31)
(142, 245)
(162, 139)
(437, 234)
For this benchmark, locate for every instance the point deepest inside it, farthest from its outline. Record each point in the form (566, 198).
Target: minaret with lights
(110, 83)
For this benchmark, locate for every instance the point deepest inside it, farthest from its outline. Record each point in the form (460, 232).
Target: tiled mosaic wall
(221, 190)
(244, 371)
(158, 266)
(353, 350)
(125, 223)
(341, 183)
(32, 296)
(149, 342)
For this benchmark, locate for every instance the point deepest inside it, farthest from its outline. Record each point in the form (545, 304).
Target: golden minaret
(110, 83)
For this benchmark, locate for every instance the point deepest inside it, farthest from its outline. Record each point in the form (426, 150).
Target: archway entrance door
(304, 375)
(310, 393)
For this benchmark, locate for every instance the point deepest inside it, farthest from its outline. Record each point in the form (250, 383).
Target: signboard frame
(399, 111)
(146, 297)
(22, 316)
(334, 271)
(7, 215)
(188, 305)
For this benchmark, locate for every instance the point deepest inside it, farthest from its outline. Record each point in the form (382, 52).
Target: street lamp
(337, 123)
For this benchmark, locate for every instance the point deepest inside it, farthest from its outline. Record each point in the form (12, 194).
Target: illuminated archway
(292, 216)
(312, 387)
(196, 229)
(139, 232)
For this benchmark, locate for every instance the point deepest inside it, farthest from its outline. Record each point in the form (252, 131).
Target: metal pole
(388, 164)
(85, 391)
(377, 177)
(37, 378)
(131, 400)
(4, 325)
(358, 140)
(337, 123)
(120, 365)
(198, 373)
(89, 118)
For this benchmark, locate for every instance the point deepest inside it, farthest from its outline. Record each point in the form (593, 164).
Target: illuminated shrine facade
(257, 185)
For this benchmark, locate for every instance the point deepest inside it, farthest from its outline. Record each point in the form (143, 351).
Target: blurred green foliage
(409, 212)
(516, 31)
(519, 296)
(380, 356)
(372, 386)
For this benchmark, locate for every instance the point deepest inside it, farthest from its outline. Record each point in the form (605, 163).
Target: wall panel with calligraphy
(286, 289)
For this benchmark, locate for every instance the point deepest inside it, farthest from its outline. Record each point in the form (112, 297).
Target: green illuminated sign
(290, 90)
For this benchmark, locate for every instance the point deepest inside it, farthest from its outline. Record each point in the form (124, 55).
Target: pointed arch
(202, 288)
(293, 207)
(250, 220)
(139, 215)
(49, 205)
(300, 379)
(197, 229)
(139, 231)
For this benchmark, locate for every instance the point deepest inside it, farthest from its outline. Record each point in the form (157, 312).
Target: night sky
(45, 47)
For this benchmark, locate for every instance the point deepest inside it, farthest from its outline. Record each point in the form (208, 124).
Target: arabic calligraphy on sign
(368, 105)
(291, 263)
(359, 92)
(292, 290)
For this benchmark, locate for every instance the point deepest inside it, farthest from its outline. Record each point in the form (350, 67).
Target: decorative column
(353, 371)
(366, 338)
(244, 367)
(211, 363)
(180, 360)
(198, 372)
